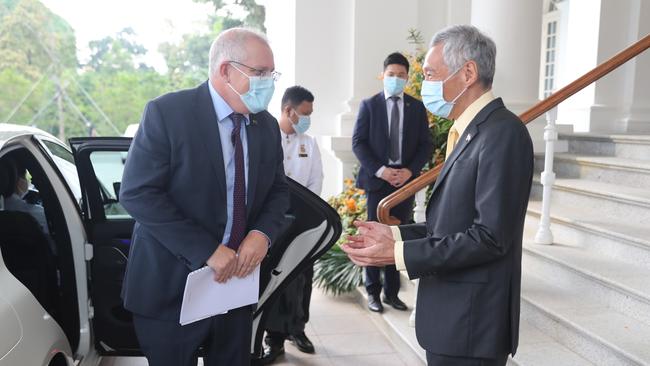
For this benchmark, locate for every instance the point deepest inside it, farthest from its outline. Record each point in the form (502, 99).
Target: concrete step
(622, 146)
(611, 200)
(395, 324)
(539, 349)
(612, 238)
(584, 323)
(618, 285)
(606, 169)
(535, 347)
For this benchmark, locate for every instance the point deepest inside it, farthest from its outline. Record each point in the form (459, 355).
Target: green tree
(120, 94)
(116, 53)
(255, 14)
(32, 38)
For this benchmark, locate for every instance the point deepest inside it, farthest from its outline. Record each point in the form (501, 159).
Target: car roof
(10, 131)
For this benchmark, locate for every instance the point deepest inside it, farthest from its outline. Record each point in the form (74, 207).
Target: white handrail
(419, 215)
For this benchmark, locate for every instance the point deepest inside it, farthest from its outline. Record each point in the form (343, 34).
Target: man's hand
(403, 175)
(251, 252)
(374, 246)
(390, 175)
(223, 262)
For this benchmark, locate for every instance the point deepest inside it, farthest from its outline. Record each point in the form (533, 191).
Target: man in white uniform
(302, 163)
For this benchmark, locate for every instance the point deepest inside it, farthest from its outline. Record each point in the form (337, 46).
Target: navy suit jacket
(371, 141)
(468, 253)
(174, 186)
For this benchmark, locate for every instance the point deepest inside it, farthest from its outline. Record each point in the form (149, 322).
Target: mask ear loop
(453, 101)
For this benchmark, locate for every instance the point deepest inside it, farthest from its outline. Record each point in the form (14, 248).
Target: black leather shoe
(374, 304)
(271, 352)
(302, 342)
(395, 302)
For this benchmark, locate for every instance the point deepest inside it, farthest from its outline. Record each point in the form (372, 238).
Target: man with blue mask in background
(392, 142)
(205, 183)
(302, 162)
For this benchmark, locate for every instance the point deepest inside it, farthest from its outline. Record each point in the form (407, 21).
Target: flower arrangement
(334, 272)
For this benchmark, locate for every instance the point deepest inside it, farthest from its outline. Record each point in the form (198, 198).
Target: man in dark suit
(205, 183)
(392, 142)
(468, 253)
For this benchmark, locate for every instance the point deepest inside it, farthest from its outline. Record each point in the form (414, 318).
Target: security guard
(302, 163)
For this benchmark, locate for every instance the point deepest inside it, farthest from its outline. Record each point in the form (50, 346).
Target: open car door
(100, 163)
(311, 228)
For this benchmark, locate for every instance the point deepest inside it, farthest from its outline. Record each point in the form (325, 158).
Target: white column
(611, 92)
(596, 31)
(638, 116)
(515, 27)
(517, 37)
(308, 55)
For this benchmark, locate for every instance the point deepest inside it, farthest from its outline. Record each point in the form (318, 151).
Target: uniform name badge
(303, 152)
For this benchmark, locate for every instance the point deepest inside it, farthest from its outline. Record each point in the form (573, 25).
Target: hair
(295, 95)
(230, 45)
(396, 58)
(464, 43)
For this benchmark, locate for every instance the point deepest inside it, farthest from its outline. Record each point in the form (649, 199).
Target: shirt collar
(221, 108)
(472, 110)
(386, 95)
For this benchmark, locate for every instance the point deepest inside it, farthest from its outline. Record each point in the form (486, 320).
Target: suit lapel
(210, 137)
(466, 138)
(380, 105)
(254, 141)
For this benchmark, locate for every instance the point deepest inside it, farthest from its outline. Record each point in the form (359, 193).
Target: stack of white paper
(204, 297)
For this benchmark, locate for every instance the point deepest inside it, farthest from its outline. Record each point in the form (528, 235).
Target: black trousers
(442, 360)
(404, 212)
(290, 312)
(226, 339)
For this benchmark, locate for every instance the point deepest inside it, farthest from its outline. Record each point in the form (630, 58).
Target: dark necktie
(238, 230)
(394, 130)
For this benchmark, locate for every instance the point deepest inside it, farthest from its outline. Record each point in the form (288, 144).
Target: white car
(65, 308)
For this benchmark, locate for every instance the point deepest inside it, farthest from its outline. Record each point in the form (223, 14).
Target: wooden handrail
(429, 177)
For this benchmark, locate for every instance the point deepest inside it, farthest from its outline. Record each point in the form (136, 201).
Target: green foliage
(25, 27)
(118, 53)
(38, 59)
(334, 272)
(254, 18)
(187, 61)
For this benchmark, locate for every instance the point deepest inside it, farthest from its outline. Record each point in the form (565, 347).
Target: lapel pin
(469, 137)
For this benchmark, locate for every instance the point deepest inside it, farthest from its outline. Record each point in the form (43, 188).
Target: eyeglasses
(261, 73)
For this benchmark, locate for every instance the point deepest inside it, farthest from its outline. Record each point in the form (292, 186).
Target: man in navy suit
(205, 183)
(392, 141)
(468, 253)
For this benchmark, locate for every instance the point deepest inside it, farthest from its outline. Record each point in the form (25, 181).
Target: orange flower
(351, 204)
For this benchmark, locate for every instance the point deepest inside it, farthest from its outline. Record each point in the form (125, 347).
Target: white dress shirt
(389, 110)
(302, 161)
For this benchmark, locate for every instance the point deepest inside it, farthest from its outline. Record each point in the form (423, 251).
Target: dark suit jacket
(468, 254)
(371, 141)
(174, 186)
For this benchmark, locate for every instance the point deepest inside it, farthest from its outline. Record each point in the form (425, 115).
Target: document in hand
(204, 297)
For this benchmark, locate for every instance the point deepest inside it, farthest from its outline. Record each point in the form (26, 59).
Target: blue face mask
(259, 94)
(432, 96)
(303, 124)
(394, 85)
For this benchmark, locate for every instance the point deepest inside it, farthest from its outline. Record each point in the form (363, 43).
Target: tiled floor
(343, 334)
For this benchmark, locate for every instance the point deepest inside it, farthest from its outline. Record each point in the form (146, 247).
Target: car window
(64, 160)
(108, 167)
